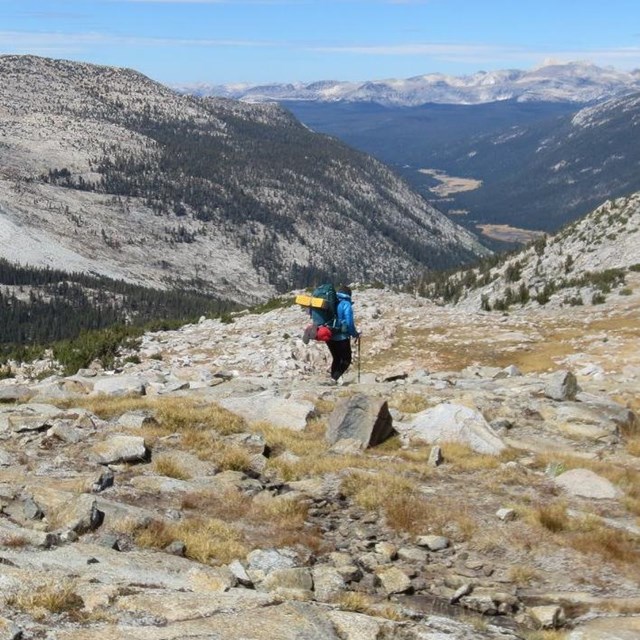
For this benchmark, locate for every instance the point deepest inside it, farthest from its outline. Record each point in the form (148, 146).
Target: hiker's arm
(348, 319)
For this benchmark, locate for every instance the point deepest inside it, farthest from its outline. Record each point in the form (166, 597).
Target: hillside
(580, 265)
(542, 176)
(104, 171)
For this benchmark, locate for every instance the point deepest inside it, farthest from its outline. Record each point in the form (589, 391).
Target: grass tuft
(52, 597)
(167, 465)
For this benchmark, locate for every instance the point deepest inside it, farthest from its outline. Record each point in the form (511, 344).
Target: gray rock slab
(9, 630)
(328, 582)
(88, 561)
(289, 621)
(15, 393)
(64, 510)
(561, 386)
(136, 420)
(120, 449)
(268, 560)
(288, 413)
(454, 422)
(118, 386)
(620, 628)
(392, 580)
(361, 418)
(176, 606)
(357, 626)
(587, 484)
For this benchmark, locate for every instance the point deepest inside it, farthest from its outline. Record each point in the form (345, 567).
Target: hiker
(340, 342)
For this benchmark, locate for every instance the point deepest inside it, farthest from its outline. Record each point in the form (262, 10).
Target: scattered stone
(177, 548)
(508, 372)
(462, 591)
(433, 543)
(31, 509)
(136, 420)
(610, 628)
(548, 617)
(9, 630)
(119, 449)
(360, 418)
(118, 386)
(454, 422)
(561, 386)
(289, 413)
(240, 574)
(435, 457)
(328, 582)
(392, 580)
(103, 481)
(15, 393)
(587, 484)
(506, 515)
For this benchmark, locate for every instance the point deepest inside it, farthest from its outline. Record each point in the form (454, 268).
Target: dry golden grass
(588, 535)
(354, 601)
(463, 458)
(308, 442)
(522, 575)
(614, 545)
(551, 516)
(173, 414)
(278, 511)
(373, 491)
(405, 508)
(107, 407)
(410, 402)
(14, 541)
(622, 607)
(227, 503)
(52, 597)
(232, 458)
(167, 465)
(208, 540)
(277, 521)
(633, 445)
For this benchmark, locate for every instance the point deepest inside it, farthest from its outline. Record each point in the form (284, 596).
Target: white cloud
(478, 55)
(15, 40)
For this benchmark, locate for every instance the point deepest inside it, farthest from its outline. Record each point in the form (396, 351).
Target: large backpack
(323, 306)
(326, 314)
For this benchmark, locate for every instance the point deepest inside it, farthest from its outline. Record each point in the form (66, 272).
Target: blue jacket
(346, 326)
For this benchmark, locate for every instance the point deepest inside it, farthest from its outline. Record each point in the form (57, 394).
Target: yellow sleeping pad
(310, 301)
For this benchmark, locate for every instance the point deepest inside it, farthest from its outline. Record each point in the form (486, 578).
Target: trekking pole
(359, 358)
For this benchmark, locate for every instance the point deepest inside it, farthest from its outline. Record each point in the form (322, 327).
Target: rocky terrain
(476, 476)
(580, 265)
(104, 171)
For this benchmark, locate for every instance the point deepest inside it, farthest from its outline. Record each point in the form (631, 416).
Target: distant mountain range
(500, 148)
(572, 82)
(104, 171)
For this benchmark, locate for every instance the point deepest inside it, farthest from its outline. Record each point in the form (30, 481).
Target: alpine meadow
(317, 360)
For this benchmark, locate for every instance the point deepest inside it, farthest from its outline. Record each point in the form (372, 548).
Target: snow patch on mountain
(578, 82)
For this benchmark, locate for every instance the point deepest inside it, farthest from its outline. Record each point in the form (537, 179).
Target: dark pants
(341, 354)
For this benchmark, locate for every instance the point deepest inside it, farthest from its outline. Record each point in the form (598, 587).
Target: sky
(260, 41)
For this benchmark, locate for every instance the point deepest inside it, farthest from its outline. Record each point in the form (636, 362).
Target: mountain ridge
(103, 169)
(571, 82)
